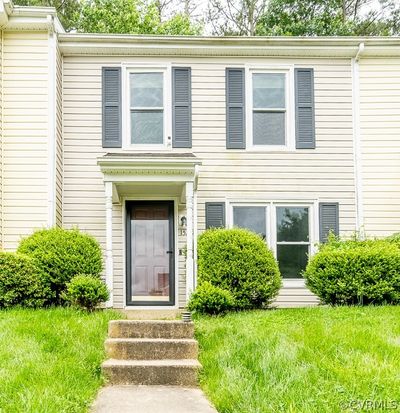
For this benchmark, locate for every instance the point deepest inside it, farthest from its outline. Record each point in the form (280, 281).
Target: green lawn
(50, 359)
(302, 360)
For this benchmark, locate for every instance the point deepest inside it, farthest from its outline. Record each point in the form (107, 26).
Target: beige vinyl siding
(59, 138)
(1, 140)
(323, 174)
(380, 144)
(25, 132)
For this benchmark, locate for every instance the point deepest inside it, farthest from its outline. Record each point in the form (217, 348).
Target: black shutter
(305, 111)
(111, 84)
(328, 220)
(181, 108)
(215, 214)
(235, 109)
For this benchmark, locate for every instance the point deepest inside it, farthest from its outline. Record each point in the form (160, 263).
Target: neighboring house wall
(25, 134)
(380, 141)
(322, 174)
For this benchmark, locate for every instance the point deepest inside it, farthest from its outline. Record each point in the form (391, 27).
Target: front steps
(151, 353)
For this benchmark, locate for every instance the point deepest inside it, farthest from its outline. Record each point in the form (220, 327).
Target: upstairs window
(147, 108)
(270, 113)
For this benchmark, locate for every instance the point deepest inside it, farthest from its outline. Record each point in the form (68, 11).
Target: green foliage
(61, 254)
(239, 261)
(355, 272)
(302, 360)
(208, 299)
(21, 282)
(66, 9)
(329, 18)
(86, 292)
(50, 359)
(130, 17)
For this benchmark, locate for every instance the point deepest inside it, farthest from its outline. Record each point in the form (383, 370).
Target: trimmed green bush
(22, 282)
(86, 291)
(239, 261)
(208, 299)
(62, 254)
(355, 272)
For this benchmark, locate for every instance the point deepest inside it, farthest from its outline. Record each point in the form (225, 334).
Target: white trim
(165, 69)
(51, 144)
(139, 45)
(176, 248)
(357, 142)
(189, 239)
(108, 186)
(288, 71)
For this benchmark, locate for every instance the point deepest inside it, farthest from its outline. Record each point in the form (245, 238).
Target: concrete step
(151, 348)
(167, 329)
(152, 372)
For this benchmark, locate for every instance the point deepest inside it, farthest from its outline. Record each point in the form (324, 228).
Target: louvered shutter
(328, 220)
(215, 214)
(181, 108)
(305, 111)
(111, 96)
(235, 108)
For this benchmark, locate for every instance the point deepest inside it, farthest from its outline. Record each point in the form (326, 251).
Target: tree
(330, 17)
(131, 17)
(236, 17)
(66, 9)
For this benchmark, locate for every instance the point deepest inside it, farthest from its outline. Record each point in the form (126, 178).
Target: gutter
(357, 141)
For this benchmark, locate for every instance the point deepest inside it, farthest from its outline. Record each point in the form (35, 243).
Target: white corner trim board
(357, 139)
(52, 107)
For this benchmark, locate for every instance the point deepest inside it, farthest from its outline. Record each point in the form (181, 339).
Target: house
(144, 142)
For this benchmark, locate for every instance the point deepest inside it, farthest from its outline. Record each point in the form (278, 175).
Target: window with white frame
(147, 108)
(286, 228)
(270, 109)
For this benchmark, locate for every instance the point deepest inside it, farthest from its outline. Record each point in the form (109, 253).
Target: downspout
(357, 141)
(52, 107)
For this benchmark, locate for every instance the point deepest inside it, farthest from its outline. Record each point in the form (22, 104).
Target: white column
(189, 238)
(109, 251)
(195, 229)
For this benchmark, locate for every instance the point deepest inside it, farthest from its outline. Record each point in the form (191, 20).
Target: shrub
(21, 282)
(86, 291)
(356, 272)
(208, 299)
(239, 261)
(62, 254)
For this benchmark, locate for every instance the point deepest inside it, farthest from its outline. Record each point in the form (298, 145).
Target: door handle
(169, 252)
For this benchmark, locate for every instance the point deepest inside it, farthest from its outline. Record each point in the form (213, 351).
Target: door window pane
(252, 218)
(269, 128)
(146, 90)
(269, 90)
(292, 224)
(147, 127)
(292, 259)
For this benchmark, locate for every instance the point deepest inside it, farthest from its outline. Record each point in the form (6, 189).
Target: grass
(50, 359)
(318, 360)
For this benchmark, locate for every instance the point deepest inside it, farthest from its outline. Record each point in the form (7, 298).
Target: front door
(150, 253)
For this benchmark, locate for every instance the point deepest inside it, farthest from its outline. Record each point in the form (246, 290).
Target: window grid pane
(252, 218)
(269, 128)
(146, 90)
(147, 127)
(269, 90)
